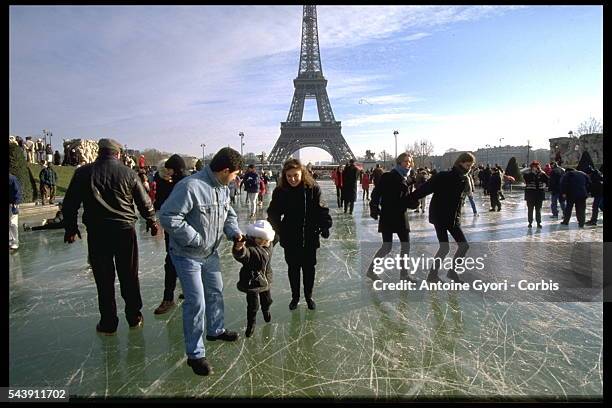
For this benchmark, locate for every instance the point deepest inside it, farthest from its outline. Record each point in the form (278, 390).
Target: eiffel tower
(326, 132)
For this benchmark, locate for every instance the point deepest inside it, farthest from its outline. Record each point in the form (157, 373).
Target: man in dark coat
(445, 209)
(597, 193)
(57, 158)
(554, 186)
(535, 191)
(174, 170)
(108, 191)
(575, 187)
(350, 176)
(386, 207)
(48, 179)
(486, 176)
(494, 187)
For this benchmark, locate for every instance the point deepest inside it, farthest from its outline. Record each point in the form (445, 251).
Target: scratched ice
(358, 342)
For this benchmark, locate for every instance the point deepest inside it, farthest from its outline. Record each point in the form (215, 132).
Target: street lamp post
(528, 147)
(423, 144)
(241, 142)
(203, 145)
(395, 133)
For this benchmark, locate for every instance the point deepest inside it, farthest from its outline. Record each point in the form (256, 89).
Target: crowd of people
(196, 213)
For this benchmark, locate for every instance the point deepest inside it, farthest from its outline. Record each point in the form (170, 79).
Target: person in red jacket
(141, 162)
(337, 177)
(365, 185)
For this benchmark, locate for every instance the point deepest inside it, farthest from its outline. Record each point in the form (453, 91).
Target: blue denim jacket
(196, 214)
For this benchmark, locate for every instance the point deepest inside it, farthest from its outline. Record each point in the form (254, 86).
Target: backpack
(251, 183)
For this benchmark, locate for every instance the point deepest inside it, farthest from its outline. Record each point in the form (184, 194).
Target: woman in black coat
(387, 207)
(299, 215)
(174, 170)
(535, 187)
(445, 209)
(350, 175)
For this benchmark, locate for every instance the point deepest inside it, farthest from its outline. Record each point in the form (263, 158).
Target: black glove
(325, 233)
(152, 225)
(70, 236)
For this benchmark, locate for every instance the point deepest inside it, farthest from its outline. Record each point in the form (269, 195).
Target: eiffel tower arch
(326, 133)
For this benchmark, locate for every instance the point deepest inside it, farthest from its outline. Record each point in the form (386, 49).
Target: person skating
(108, 191)
(469, 193)
(493, 188)
(422, 175)
(56, 222)
(337, 177)
(365, 186)
(554, 186)
(168, 176)
(15, 197)
(196, 215)
(575, 186)
(254, 253)
(251, 186)
(597, 192)
(448, 188)
(298, 213)
(350, 176)
(535, 190)
(386, 207)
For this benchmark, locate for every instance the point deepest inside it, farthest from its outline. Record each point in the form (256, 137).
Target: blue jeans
(202, 286)
(473, 204)
(554, 197)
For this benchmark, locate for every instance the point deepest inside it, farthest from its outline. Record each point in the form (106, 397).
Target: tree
(249, 158)
(19, 168)
(589, 126)
(421, 151)
(383, 156)
(585, 162)
(154, 156)
(512, 169)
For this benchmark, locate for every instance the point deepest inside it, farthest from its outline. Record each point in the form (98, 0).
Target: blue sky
(172, 78)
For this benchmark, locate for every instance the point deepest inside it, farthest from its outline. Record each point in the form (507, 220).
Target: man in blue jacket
(575, 186)
(196, 215)
(14, 201)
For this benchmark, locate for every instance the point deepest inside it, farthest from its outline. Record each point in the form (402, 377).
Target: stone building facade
(569, 149)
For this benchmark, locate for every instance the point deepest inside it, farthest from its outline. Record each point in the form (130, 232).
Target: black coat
(495, 182)
(350, 175)
(119, 187)
(298, 215)
(596, 183)
(554, 182)
(386, 201)
(445, 206)
(254, 259)
(535, 186)
(576, 185)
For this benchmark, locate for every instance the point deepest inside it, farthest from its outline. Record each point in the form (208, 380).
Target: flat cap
(110, 144)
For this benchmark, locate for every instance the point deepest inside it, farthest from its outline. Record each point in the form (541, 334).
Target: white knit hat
(260, 229)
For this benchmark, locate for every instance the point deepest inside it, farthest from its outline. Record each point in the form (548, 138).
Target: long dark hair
(295, 164)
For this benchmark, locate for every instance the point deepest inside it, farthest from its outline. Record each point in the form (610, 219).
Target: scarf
(402, 170)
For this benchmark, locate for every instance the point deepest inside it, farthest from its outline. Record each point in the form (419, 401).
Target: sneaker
(591, 223)
(164, 307)
(139, 324)
(266, 315)
(539, 226)
(104, 332)
(199, 366)
(225, 336)
(293, 304)
(492, 209)
(499, 209)
(529, 226)
(563, 223)
(311, 304)
(250, 329)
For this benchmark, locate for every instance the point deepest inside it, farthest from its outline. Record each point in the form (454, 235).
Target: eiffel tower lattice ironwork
(326, 132)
